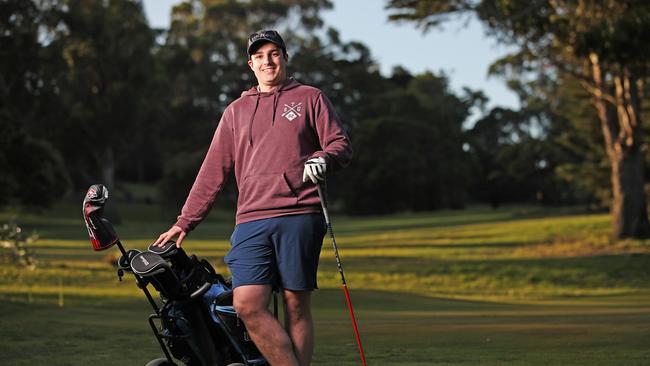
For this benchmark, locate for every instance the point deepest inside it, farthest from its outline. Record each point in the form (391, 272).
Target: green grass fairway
(516, 286)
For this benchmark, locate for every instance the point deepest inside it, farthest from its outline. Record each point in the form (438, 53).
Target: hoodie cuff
(322, 154)
(184, 224)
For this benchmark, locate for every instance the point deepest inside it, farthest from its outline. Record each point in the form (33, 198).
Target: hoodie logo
(292, 111)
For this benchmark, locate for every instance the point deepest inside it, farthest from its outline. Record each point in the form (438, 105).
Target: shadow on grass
(434, 246)
(624, 271)
(396, 328)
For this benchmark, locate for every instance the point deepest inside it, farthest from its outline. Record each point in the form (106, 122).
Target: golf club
(323, 201)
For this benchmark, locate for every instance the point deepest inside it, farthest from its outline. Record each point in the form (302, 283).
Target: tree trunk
(628, 209)
(619, 109)
(108, 169)
(108, 180)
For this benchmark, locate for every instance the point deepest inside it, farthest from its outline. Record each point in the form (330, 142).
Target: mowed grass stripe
(517, 231)
(493, 254)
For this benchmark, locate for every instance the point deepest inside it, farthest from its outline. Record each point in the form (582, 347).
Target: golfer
(280, 137)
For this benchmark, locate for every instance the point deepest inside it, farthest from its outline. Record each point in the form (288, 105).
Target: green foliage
(8, 182)
(514, 159)
(34, 172)
(599, 44)
(411, 157)
(74, 88)
(105, 48)
(41, 172)
(16, 246)
(344, 71)
(178, 177)
(583, 164)
(120, 98)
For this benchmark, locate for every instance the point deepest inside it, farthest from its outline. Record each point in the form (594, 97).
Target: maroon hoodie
(267, 137)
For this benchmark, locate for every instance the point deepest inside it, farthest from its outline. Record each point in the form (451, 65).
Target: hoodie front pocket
(301, 189)
(266, 191)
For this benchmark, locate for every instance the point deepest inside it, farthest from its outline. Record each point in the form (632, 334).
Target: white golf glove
(315, 169)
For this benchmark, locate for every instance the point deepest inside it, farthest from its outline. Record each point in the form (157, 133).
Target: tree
(101, 51)
(408, 152)
(584, 164)
(33, 172)
(602, 44)
(494, 143)
(514, 156)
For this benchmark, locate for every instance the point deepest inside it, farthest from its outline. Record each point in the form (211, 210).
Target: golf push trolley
(194, 321)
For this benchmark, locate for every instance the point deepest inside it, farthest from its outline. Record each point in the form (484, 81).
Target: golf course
(484, 166)
(518, 285)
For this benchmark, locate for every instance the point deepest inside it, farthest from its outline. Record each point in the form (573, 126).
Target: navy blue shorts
(281, 251)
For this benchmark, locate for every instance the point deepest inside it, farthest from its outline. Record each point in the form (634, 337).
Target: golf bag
(194, 320)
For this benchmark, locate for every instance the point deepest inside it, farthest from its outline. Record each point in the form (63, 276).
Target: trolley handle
(201, 290)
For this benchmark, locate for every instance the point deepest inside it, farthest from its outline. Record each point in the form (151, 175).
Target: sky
(460, 48)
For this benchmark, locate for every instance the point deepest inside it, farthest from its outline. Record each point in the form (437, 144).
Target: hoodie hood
(253, 92)
(288, 84)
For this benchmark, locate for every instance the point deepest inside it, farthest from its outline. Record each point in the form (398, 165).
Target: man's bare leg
(251, 303)
(299, 324)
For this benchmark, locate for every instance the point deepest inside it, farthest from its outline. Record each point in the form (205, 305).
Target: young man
(280, 137)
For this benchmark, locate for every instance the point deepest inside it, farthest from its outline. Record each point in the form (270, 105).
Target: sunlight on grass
(520, 286)
(515, 254)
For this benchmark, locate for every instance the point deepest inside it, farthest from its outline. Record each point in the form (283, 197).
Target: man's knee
(298, 304)
(245, 310)
(250, 301)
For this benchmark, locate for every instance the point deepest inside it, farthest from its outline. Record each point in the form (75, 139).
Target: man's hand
(315, 169)
(169, 234)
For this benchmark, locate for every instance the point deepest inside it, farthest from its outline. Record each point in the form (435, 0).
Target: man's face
(269, 65)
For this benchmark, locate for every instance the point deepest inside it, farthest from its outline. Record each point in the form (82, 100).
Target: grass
(515, 286)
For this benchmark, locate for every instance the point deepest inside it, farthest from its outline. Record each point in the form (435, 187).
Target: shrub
(15, 245)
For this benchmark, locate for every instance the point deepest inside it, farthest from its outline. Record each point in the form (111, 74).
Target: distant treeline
(90, 93)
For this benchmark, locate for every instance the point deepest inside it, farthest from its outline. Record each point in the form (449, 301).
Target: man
(281, 137)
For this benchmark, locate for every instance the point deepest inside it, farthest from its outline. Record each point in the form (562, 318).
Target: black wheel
(160, 362)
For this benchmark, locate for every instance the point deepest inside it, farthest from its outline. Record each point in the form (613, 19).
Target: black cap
(255, 40)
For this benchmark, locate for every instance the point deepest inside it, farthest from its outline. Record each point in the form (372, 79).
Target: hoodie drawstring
(275, 105)
(276, 98)
(250, 125)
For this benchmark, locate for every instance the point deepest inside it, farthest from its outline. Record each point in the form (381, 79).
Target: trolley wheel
(160, 362)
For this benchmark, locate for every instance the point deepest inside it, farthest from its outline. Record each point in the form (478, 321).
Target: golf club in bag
(322, 194)
(194, 320)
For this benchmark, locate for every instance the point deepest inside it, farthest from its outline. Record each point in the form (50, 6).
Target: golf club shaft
(323, 201)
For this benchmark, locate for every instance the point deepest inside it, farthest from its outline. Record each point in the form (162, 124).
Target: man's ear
(250, 63)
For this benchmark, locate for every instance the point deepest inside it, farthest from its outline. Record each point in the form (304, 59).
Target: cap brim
(258, 43)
